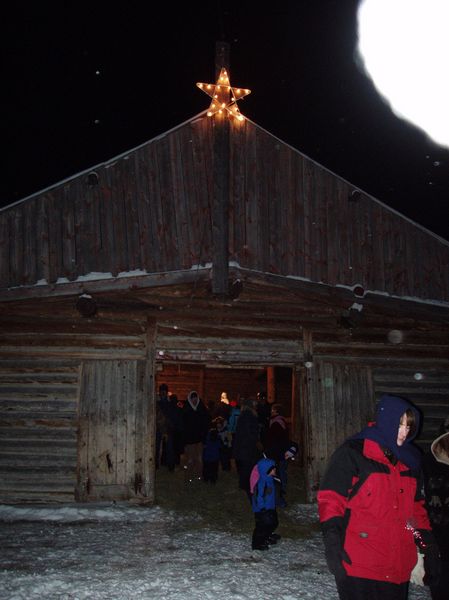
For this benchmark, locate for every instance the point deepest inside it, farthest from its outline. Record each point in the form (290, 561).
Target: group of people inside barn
(202, 437)
(383, 504)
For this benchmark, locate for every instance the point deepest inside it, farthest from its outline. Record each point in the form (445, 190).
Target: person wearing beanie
(371, 508)
(436, 487)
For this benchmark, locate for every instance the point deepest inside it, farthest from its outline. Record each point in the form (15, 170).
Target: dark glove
(334, 552)
(432, 565)
(432, 558)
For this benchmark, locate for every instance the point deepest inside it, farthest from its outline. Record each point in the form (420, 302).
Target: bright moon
(404, 47)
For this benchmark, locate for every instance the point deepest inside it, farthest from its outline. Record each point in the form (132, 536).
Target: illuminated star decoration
(224, 97)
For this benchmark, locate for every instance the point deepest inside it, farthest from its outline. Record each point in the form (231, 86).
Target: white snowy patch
(135, 273)
(94, 276)
(117, 551)
(356, 306)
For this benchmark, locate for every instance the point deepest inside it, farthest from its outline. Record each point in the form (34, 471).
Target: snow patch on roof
(94, 276)
(134, 273)
(199, 266)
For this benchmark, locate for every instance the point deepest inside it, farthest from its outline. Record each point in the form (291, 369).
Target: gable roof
(148, 212)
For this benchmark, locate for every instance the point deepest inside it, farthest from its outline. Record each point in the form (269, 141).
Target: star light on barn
(224, 96)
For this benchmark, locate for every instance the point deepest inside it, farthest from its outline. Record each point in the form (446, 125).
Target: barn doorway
(210, 380)
(237, 381)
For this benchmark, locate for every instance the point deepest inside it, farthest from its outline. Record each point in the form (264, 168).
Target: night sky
(85, 81)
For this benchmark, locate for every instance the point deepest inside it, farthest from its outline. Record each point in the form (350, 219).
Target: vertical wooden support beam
(149, 416)
(295, 413)
(306, 400)
(220, 209)
(200, 389)
(271, 384)
(221, 57)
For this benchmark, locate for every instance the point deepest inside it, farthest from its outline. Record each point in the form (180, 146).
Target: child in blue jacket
(263, 500)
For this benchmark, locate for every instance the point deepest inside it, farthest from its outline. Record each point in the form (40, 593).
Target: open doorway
(210, 381)
(278, 383)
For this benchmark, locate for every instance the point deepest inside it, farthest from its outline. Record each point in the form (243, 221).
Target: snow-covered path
(121, 552)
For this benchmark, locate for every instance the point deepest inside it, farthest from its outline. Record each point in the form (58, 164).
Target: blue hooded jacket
(385, 430)
(264, 494)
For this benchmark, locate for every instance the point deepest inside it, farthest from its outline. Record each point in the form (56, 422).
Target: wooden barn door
(116, 424)
(337, 401)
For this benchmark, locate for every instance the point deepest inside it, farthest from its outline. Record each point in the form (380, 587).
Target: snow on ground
(119, 551)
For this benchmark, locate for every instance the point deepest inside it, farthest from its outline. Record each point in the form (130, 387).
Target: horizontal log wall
(38, 429)
(82, 345)
(229, 350)
(426, 387)
(151, 210)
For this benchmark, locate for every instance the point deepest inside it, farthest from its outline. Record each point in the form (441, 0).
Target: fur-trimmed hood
(440, 448)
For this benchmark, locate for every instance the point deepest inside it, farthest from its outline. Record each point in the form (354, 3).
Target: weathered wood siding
(229, 350)
(148, 210)
(427, 388)
(71, 401)
(291, 216)
(337, 400)
(38, 429)
(56, 340)
(116, 432)
(151, 210)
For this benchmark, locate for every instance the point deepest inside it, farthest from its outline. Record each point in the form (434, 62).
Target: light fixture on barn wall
(355, 196)
(224, 96)
(395, 336)
(92, 179)
(358, 290)
(308, 360)
(86, 305)
(235, 288)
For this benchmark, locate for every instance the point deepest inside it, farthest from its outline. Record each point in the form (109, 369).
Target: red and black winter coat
(376, 504)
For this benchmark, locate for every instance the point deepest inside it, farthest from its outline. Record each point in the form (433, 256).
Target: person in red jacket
(371, 508)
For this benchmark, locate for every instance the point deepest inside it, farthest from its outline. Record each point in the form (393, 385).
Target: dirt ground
(224, 505)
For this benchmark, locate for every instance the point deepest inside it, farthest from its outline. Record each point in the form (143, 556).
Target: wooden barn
(214, 257)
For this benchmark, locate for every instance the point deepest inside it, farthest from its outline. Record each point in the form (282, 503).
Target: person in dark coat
(226, 443)
(161, 425)
(436, 486)
(246, 444)
(263, 415)
(277, 442)
(171, 428)
(371, 508)
(211, 454)
(195, 424)
(224, 408)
